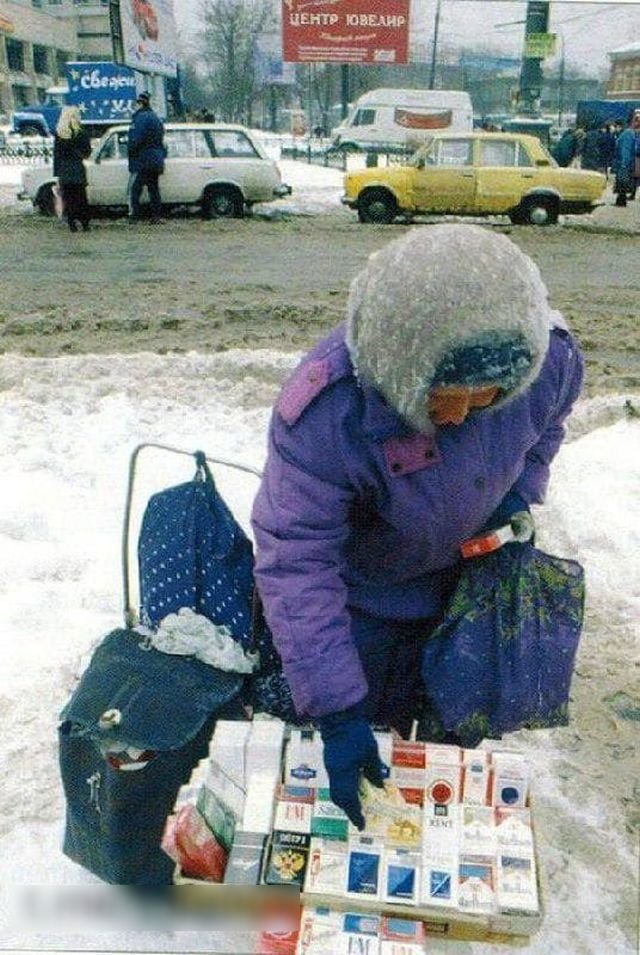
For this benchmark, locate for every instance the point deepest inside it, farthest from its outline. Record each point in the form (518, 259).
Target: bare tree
(228, 48)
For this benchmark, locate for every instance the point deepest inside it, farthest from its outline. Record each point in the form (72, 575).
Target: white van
(402, 118)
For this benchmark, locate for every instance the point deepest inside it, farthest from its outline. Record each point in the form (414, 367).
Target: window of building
(15, 54)
(21, 95)
(61, 61)
(41, 94)
(37, 4)
(40, 59)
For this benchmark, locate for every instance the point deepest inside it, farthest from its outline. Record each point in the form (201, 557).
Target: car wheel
(45, 201)
(540, 211)
(377, 207)
(222, 202)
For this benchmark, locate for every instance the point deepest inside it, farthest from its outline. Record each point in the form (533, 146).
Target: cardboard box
(476, 885)
(327, 867)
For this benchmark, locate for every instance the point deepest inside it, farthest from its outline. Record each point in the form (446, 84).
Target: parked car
(222, 169)
(476, 174)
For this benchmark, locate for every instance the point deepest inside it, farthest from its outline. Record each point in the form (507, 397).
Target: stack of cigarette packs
(450, 831)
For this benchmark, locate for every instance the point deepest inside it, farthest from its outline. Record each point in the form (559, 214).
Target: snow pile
(67, 429)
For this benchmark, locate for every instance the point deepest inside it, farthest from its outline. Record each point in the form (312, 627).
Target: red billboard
(345, 31)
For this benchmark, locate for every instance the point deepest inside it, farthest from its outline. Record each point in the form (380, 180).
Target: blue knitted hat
(497, 362)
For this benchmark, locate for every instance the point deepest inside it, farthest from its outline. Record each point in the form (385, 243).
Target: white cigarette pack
(439, 881)
(320, 932)
(359, 935)
(263, 748)
(259, 803)
(510, 780)
(327, 867)
(227, 748)
(400, 936)
(516, 884)
(442, 781)
(477, 832)
(226, 787)
(304, 760)
(440, 829)
(476, 885)
(475, 777)
(514, 830)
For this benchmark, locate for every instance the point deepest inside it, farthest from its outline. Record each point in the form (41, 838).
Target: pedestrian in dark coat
(146, 157)
(433, 415)
(566, 147)
(594, 149)
(627, 161)
(70, 147)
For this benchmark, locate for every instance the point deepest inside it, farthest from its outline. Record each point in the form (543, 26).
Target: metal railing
(26, 150)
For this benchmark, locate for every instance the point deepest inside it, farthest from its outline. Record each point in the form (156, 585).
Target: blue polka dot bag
(193, 553)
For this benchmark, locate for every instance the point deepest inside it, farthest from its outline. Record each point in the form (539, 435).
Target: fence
(321, 153)
(23, 151)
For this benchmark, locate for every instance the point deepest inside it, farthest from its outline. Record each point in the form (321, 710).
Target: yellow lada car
(476, 174)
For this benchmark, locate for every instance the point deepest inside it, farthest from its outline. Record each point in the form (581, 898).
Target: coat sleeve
(560, 385)
(300, 521)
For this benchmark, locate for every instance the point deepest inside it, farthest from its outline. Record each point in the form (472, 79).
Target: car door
(236, 160)
(108, 171)
(505, 173)
(446, 180)
(186, 150)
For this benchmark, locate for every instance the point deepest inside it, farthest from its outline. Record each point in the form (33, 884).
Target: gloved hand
(522, 526)
(349, 749)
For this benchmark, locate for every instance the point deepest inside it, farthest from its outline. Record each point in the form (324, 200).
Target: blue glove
(349, 749)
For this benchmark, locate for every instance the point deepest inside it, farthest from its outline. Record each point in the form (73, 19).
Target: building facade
(38, 37)
(624, 75)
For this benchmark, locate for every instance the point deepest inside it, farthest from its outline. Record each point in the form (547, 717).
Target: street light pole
(561, 80)
(434, 51)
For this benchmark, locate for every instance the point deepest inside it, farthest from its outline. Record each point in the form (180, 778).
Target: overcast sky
(590, 30)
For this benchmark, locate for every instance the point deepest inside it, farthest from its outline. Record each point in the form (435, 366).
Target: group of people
(146, 151)
(610, 149)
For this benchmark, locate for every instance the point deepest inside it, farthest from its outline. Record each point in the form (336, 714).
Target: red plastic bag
(188, 841)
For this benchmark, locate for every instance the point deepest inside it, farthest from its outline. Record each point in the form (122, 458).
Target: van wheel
(539, 211)
(377, 206)
(45, 202)
(222, 202)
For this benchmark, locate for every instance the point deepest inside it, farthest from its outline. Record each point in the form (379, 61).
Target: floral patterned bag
(503, 656)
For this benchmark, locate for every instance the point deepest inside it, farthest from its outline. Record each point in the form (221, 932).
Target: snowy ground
(67, 428)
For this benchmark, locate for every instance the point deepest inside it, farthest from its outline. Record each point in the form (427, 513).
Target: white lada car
(223, 169)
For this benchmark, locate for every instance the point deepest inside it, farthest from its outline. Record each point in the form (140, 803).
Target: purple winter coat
(357, 509)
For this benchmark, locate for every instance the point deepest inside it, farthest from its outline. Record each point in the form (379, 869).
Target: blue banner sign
(104, 92)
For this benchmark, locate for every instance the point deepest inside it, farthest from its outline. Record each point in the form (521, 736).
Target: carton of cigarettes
(226, 787)
(304, 760)
(294, 807)
(443, 754)
(259, 803)
(389, 817)
(320, 932)
(401, 876)
(408, 761)
(439, 881)
(364, 864)
(327, 867)
(401, 937)
(510, 780)
(441, 824)
(218, 815)
(263, 748)
(328, 820)
(287, 859)
(513, 830)
(516, 884)
(384, 739)
(227, 749)
(359, 935)
(477, 832)
(476, 885)
(475, 777)
(244, 866)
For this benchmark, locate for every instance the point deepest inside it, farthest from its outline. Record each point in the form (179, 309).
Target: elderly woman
(432, 415)
(71, 146)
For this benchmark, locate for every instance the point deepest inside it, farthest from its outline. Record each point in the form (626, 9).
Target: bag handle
(201, 459)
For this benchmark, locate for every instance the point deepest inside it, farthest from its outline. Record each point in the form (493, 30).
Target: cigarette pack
(294, 808)
(476, 885)
(327, 867)
(244, 866)
(360, 935)
(259, 803)
(439, 881)
(304, 761)
(477, 833)
(408, 761)
(226, 786)
(516, 884)
(513, 830)
(389, 817)
(510, 780)
(218, 815)
(443, 754)
(442, 783)
(441, 824)
(263, 748)
(320, 932)
(287, 858)
(227, 751)
(400, 876)
(401, 937)
(475, 777)
(364, 863)
(327, 819)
